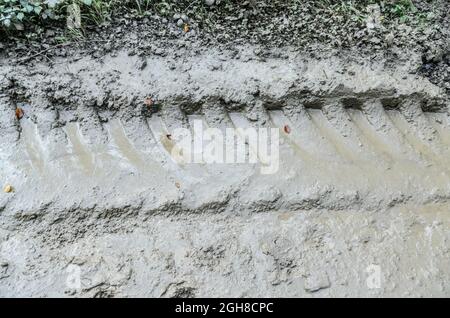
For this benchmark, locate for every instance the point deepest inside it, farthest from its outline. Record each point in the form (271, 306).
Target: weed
(19, 14)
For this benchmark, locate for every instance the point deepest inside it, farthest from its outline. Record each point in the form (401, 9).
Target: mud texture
(363, 185)
(359, 205)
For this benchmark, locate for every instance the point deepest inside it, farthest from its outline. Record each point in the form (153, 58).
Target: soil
(363, 182)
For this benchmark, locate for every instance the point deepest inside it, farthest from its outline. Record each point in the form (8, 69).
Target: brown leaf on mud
(8, 188)
(19, 113)
(186, 28)
(287, 129)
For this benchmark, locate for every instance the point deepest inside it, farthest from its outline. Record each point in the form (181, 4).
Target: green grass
(19, 15)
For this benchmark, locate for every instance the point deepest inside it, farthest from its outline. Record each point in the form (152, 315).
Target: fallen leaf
(287, 129)
(186, 28)
(169, 136)
(178, 185)
(19, 113)
(8, 188)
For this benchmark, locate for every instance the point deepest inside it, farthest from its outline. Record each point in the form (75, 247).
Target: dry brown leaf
(178, 185)
(19, 113)
(186, 28)
(287, 129)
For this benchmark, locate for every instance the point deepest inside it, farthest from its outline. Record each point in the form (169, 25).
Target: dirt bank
(375, 29)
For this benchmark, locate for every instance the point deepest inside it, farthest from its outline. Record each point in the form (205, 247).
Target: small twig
(26, 58)
(190, 4)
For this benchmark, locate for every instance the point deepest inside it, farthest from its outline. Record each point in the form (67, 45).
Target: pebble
(316, 282)
(142, 65)
(49, 33)
(8, 188)
(389, 39)
(209, 2)
(108, 47)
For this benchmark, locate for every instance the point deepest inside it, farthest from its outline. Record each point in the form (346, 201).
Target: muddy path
(362, 184)
(397, 252)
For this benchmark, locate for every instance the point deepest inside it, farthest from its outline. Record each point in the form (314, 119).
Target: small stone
(108, 47)
(389, 39)
(316, 282)
(180, 23)
(209, 2)
(142, 64)
(375, 40)
(159, 51)
(8, 188)
(49, 33)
